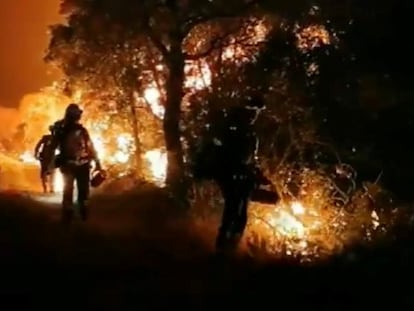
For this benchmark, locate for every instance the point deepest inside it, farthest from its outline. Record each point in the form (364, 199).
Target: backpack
(74, 144)
(206, 160)
(224, 148)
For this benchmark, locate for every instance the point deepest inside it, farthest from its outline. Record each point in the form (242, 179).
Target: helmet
(98, 177)
(73, 111)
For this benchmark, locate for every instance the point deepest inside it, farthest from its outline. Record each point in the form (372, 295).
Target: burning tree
(109, 46)
(106, 47)
(102, 62)
(322, 210)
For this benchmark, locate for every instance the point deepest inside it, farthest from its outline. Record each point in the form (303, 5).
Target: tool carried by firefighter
(265, 194)
(98, 177)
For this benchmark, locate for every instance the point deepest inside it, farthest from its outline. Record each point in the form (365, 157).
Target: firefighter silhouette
(228, 156)
(75, 158)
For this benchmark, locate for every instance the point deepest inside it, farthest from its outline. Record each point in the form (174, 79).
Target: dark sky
(23, 39)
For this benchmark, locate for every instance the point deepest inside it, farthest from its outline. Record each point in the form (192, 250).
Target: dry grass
(135, 252)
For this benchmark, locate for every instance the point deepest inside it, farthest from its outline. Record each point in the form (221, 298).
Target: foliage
(111, 49)
(305, 65)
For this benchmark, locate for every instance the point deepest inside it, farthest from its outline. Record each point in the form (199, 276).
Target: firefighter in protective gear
(230, 160)
(76, 154)
(41, 154)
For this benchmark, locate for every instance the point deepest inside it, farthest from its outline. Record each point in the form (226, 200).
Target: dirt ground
(136, 252)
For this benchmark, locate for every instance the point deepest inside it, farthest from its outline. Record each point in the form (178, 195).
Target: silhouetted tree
(108, 46)
(103, 42)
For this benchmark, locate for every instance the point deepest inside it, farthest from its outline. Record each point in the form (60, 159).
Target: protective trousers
(81, 175)
(236, 189)
(46, 177)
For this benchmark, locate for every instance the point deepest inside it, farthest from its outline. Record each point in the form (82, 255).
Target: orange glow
(21, 63)
(311, 227)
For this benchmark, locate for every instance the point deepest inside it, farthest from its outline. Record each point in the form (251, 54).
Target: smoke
(23, 40)
(37, 110)
(9, 118)
(17, 175)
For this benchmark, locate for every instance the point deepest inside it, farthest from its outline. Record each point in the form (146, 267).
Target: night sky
(23, 38)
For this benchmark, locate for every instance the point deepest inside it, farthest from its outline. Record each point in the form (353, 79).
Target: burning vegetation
(313, 225)
(129, 83)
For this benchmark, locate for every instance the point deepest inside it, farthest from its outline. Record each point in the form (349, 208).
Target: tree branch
(155, 39)
(214, 45)
(157, 42)
(191, 22)
(220, 43)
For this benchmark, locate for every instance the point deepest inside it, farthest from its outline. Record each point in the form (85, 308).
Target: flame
(157, 160)
(287, 224)
(99, 145)
(122, 155)
(58, 181)
(28, 157)
(153, 97)
(294, 228)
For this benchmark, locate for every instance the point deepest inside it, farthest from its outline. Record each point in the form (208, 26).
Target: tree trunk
(129, 84)
(174, 90)
(137, 142)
